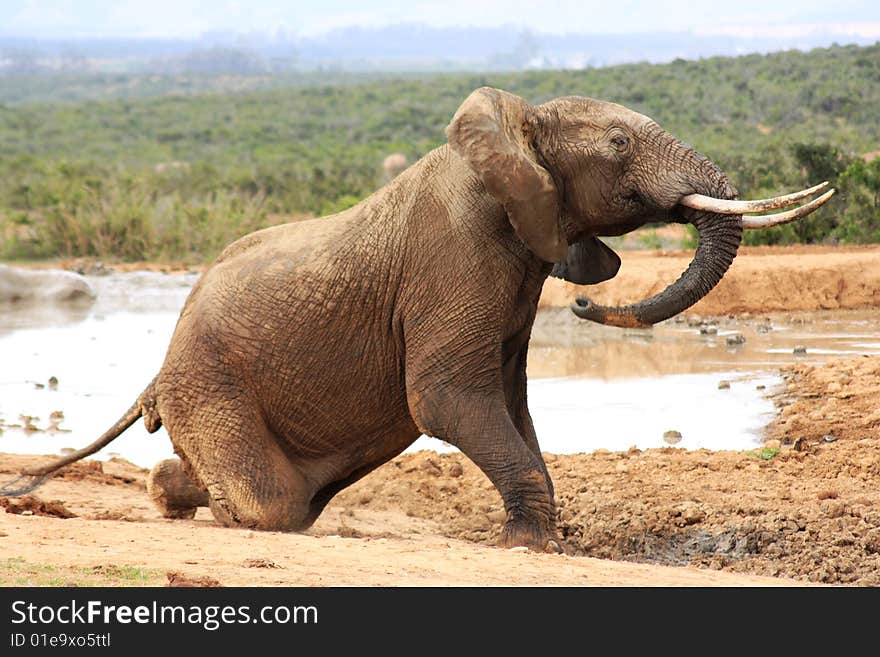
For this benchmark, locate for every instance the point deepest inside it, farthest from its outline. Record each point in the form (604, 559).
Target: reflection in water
(33, 315)
(590, 386)
(563, 345)
(583, 414)
(102, 360)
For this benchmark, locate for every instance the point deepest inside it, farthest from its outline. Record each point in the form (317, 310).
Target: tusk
(768, 220)
(722, 206)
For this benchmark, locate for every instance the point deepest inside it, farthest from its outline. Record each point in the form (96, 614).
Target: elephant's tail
(32, 478)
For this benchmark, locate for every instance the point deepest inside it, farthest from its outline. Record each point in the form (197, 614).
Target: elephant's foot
(523, 532)
(173, 492)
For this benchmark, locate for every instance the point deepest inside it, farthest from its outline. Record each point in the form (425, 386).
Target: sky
(192, 18)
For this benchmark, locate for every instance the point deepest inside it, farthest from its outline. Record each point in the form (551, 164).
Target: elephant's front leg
(474, 417)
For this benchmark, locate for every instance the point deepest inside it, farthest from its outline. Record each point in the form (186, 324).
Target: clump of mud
(181, 580)
(95, 472)
(115, 472)
(33, 506)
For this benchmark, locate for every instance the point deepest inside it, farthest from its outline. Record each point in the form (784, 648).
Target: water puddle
(590, 387)
(583, 414)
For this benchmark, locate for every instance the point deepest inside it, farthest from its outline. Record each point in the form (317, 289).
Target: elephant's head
(573, 169)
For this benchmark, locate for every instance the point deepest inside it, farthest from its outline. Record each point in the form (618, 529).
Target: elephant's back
(296, 315)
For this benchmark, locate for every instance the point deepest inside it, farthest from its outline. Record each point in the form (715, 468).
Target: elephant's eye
(620, 141)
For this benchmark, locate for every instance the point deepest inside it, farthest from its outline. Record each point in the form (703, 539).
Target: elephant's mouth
(719, 223)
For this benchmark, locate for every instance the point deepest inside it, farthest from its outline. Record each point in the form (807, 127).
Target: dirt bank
(761, 279)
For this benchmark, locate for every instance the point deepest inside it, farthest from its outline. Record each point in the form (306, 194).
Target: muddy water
(590, 387)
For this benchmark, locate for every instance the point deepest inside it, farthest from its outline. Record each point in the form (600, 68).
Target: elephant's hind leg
(249, 479)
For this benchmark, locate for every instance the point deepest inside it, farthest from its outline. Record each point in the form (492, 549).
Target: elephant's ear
(491, 132)
(587, 262)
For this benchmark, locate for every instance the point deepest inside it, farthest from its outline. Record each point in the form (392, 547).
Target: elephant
(311, 353)
(393, 165)
(48, 285)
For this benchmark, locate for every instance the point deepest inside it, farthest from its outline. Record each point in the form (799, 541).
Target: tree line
(179, 174)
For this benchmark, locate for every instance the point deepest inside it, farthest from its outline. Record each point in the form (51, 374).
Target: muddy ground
(804, 509)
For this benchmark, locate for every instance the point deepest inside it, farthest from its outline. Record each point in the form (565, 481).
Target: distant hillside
(402, 47)
(185, 172)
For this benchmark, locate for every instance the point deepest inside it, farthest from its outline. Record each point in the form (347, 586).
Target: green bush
(860, 189)
(167, 167)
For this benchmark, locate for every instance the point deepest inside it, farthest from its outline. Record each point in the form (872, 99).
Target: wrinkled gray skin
(54, 286)
(313, 352)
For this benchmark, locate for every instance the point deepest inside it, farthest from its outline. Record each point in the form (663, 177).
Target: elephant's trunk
(719, 238)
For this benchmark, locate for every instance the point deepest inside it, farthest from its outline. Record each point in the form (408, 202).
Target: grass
(17, 571)
(765, 454)
(176, 175)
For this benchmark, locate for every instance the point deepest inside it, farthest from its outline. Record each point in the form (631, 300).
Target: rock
(181, 580)
(735, 340)
(689, 514)
(497, 517)
(53, 383)
(760, 387)
(91, 269)
(28, 423)
(429, 466)
(829, 438)
(708, 330)
(773, 444)
(259, 563)
(455, 470)
(44, 285)
(801, 444)
(672, 437)
(799, 350)
(518, 548)
(764, 328)
(834, 387)
(833, 508)
(724, 385)
(871, 541)
(450, 487)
